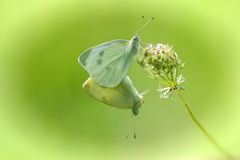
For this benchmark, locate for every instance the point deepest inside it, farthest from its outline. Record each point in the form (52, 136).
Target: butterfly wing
(107, 63)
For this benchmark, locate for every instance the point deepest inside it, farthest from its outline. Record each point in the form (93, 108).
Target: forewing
(108, 63)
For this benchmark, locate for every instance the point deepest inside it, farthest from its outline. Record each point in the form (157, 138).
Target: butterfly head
(138, 104)
(135, 44)
(136, 39)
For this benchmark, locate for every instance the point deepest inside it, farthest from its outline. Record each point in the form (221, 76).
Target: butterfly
(108, 63)
(124, 95)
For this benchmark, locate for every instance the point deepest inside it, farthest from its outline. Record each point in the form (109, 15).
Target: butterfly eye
(136, 39)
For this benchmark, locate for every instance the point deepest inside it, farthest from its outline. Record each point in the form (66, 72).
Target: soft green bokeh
(45, 115)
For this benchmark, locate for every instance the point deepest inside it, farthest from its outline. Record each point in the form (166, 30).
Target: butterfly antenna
(131, 123)
(128, 128)
(134, 132)
(127, 134)
(144, 25)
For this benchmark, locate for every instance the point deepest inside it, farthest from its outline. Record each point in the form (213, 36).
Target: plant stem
(223, 151)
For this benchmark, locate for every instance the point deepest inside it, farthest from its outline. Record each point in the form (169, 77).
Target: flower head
(164, 65)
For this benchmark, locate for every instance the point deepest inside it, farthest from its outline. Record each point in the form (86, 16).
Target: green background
(46, 115)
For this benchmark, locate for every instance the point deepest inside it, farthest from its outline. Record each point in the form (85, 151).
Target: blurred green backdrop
(45, 115)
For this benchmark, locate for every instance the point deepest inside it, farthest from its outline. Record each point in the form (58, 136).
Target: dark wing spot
(99, 61)
(108, 68)
(101, 53)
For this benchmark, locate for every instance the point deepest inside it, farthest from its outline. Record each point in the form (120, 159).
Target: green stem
(223, 151)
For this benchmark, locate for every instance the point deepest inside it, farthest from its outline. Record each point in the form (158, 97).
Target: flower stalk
(211, 139)
(163, 64)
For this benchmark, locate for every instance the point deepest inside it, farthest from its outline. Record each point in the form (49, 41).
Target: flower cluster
(163, 64)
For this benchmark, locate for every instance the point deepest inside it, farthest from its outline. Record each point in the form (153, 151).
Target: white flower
(163, 64)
